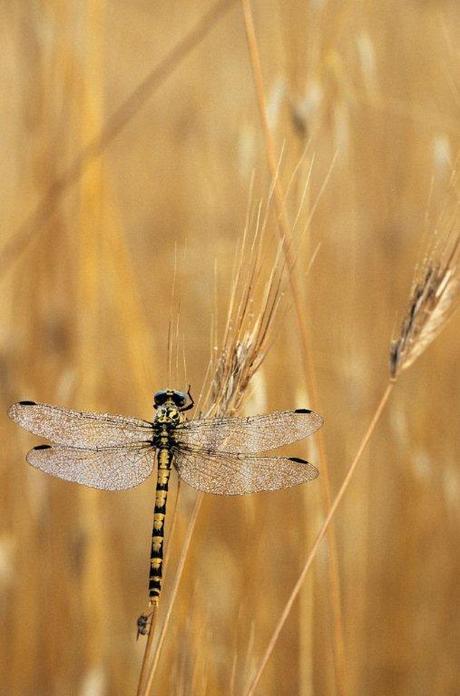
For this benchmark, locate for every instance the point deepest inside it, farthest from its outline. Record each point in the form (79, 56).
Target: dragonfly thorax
(168, 414)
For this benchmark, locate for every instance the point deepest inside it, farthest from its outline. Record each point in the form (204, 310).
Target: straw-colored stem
(88, 225)
(309, 371)
(148, 647)
(147, 670)
(320, 536)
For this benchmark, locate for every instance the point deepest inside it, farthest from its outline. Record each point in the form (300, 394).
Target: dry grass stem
(156, 639)
(320, 536)
(432, 303)
(287, 242)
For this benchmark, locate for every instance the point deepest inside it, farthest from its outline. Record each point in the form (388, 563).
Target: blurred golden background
(363, 103)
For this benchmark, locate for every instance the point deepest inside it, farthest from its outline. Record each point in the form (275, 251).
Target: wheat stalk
(285, 234)
(434, 298)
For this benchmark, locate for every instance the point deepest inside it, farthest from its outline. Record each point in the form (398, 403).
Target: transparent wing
(79, 429)
(112, 469)
(252, 434)
(224, 473)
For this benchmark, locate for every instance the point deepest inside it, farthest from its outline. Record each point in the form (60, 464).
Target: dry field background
(363, 102)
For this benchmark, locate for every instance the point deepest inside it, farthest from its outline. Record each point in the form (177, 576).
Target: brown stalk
(155, 642)
(320, 536)
(113, 126)
(434, 298)
(309, 371)
(94, 601)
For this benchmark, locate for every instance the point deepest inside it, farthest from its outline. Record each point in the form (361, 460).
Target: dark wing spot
(40, 447)
(302, 410)
(298, 460)
(28, 403)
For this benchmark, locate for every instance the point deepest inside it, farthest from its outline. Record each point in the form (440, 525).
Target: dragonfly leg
(192, 403)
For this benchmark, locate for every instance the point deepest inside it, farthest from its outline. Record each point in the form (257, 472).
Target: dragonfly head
(170, 397)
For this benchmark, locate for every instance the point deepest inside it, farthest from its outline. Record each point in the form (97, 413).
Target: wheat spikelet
(249, 325)
(434, 298)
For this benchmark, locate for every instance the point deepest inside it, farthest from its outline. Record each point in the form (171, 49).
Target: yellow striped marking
(160, 498)
(163, 476)
(158, 520)
(163, 457)
(157, 541)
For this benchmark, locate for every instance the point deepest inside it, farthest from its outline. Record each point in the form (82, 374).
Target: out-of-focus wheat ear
(434, 298)
(20, 240)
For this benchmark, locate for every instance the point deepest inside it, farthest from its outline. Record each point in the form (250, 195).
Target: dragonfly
(221, 456)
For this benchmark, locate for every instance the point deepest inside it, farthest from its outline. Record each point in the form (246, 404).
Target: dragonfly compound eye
(179, 398)
(160, 397)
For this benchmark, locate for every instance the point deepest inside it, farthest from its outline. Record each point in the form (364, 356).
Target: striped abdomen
(156, 553)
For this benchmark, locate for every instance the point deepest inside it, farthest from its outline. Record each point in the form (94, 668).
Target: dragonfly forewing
(252, 434)
(77, 428)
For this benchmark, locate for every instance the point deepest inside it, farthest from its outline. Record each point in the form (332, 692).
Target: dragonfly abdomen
(159, 513)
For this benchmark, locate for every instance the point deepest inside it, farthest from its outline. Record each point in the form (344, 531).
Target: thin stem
(154, 608)
(320, 536)
(309, 370)
(144, 690)
(141, 690)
